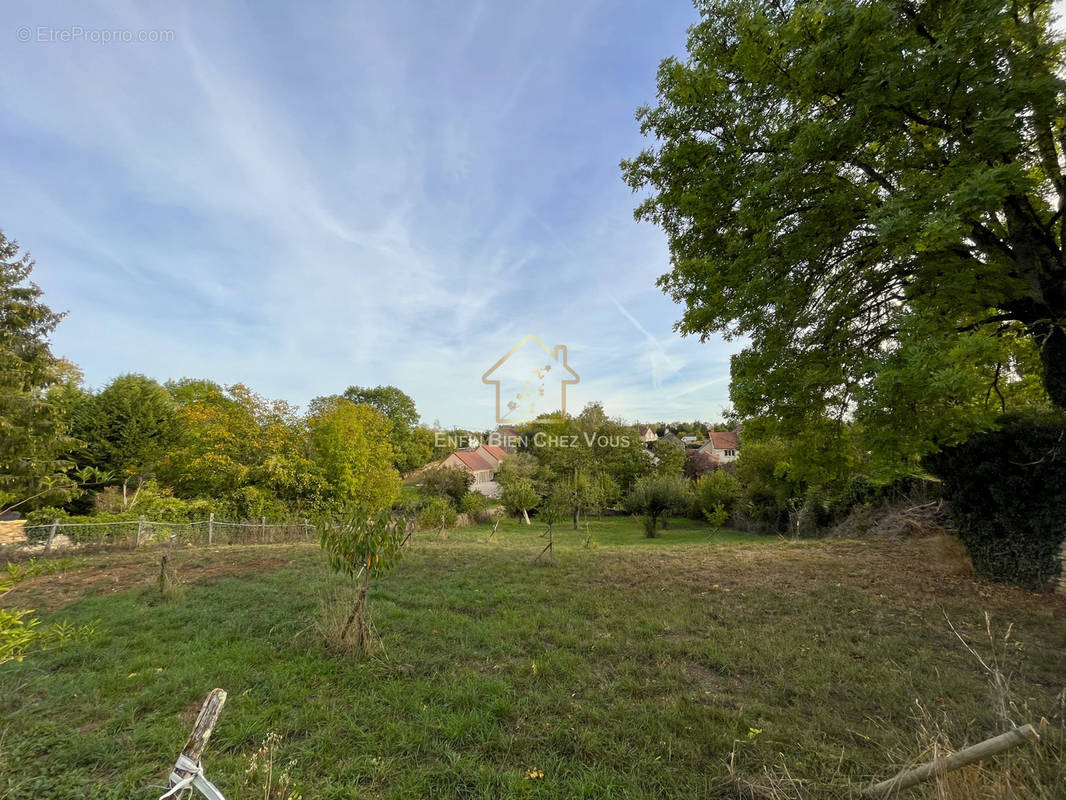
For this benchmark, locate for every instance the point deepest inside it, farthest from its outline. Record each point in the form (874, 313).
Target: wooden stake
(966, 756)
(202, 729)
(211, 528)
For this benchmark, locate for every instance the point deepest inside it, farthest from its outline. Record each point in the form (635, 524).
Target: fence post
(140, 530)
(210, 527)
(51, 535)
(263, 529)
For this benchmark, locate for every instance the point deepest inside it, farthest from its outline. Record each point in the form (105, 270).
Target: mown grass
(676, 667)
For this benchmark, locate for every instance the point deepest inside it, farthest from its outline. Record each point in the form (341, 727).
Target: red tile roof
(723, 440)
(495, 451)
(472, 460)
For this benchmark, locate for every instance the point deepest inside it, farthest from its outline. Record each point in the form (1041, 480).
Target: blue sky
(302, 197)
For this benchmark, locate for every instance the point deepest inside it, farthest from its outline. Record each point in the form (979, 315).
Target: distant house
(647, 434)
(482, 463)
(492, 454)
(722, 446)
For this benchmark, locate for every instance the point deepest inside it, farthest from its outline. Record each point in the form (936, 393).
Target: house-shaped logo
(530, 381)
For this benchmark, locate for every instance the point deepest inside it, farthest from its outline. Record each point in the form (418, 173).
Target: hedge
(1007, 490)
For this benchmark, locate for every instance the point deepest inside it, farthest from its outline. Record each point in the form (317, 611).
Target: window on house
(730, 452)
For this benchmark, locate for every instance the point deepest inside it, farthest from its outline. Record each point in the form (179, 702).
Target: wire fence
(131, 534)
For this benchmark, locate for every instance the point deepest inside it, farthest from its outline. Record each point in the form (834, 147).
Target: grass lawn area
(680, 667)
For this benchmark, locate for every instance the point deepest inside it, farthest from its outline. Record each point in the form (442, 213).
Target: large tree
(350, 444)
(860, 188)
(32, 434)
(399, 408)
(128, 428)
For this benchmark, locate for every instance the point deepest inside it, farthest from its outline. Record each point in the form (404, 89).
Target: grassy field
(680, 667)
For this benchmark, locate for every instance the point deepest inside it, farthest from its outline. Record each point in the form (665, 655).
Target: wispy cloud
(367, 194)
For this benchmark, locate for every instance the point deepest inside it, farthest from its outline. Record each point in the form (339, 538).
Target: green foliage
(473, 502)
(517, 467)
(45, 516)
(412, 447)
(245, 503)
(438, 514)
(771, 486)
(35, 567)
(127, 428)
(227, 436)
(18, 631)
(579, 492)
(350, 444)
(451, 483)
(842, 186)
(416, 450)
(520, 496)
(1007, 490)
(656, 497)
(716, 516)
(718, 490)
(34, 437)
(591, 443)
(356, 539)
(669, 457)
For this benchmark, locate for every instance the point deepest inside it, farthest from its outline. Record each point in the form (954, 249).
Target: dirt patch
(712, 685)
(924, 570)
(12, 532)
(49, 593)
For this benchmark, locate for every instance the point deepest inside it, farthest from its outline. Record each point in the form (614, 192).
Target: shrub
(719, 488)
(472, 503)
(450, 482)
(656, 497)
(409, 502)
(438, 515)
(1007, 490)
(253, 502)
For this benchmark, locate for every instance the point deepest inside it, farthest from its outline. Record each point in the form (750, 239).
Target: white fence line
(142, 531)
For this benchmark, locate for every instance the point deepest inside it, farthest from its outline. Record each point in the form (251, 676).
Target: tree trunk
(358, 619)
(351, 618)
(525, 516)
(1053, 357)
(577, 515)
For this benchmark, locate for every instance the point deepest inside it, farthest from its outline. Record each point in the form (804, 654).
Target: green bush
(473, 502)
(251, 503)
(35, 534)
(45, 516)
(450, 482)
(656, 497)
(438, 514)
(719, 488)
(1007, 490)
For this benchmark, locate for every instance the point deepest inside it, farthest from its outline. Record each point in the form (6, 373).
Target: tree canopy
(871, 193)
(32, 432)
